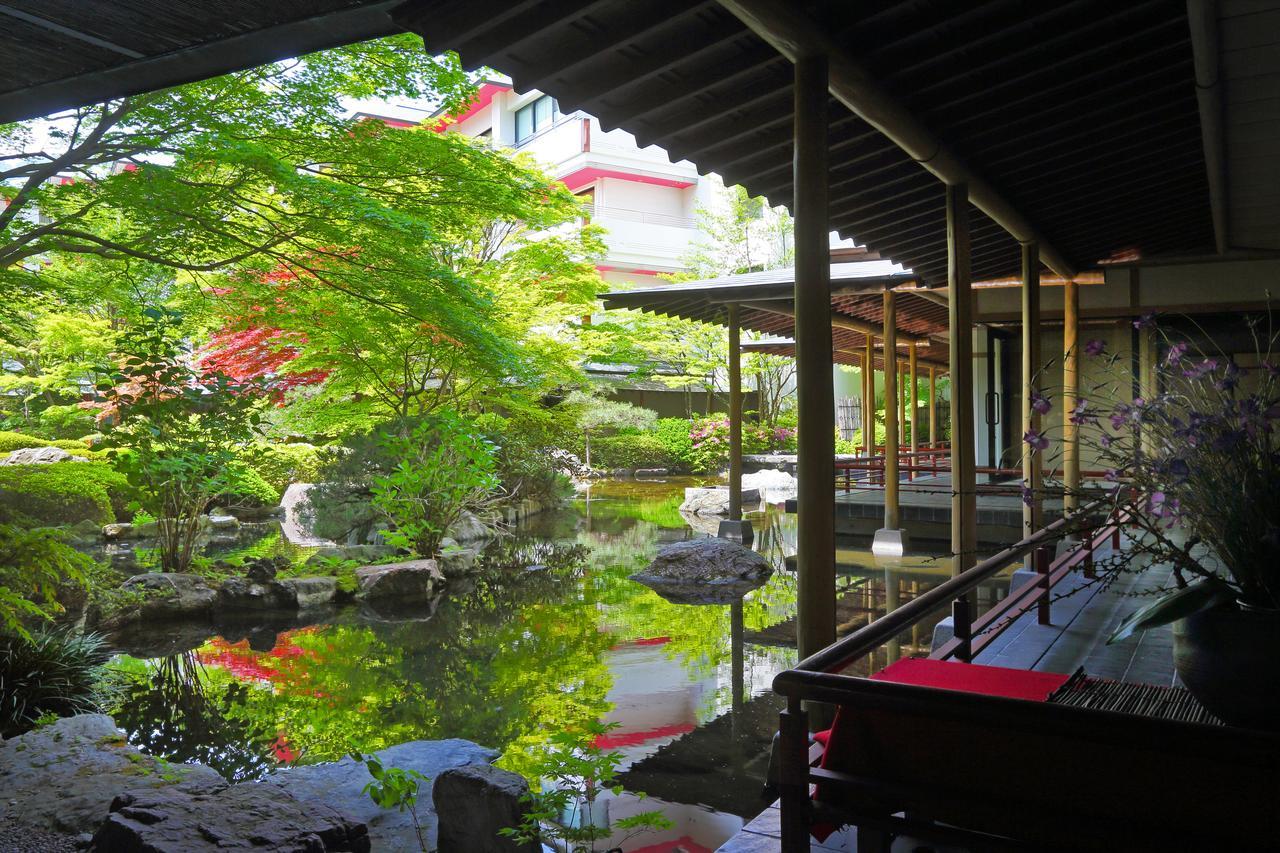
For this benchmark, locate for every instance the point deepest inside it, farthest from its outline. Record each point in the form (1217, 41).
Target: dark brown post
(1042, 569)
(793, 776)
(735, 415)
(1070, 393)
(892, 391)
(815, 467)
(869, 398)
(962, 628)
(1032, 462)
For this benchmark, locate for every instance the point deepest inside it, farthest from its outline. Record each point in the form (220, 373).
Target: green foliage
(283, 464)
(675, 438)
(63, 493)
(182, 429)
(34, 566)
(631, 451)
(48, 672)
(66, 422)
(245, 486)
(394, 788)
(443, 470)
(11, 441)
(525, 468)
(576, 772)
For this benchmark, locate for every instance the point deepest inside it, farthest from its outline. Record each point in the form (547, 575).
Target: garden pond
(506, 660)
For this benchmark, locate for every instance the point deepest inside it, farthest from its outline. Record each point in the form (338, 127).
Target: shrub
(674, 435)
(246, 487)
(284, 464)
(525, 467)
(631, 451)
(63, 493)
(50, 672)
(11, 441)
(66, 421)
(443, 470)
(34, 565)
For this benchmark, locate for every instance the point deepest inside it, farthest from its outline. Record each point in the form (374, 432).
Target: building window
(535, 116)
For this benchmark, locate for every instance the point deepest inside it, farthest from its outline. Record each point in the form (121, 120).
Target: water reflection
(521, 653)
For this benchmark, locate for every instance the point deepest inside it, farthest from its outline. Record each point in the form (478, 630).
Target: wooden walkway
(1076, 637)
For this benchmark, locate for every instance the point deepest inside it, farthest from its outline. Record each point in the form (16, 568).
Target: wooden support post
(933, 407)
(815, 466)
(892, 440)
(735, 415)
(1070, 394)
(964, 507)
(1090, 570)
(901, 388)
(1032, 460)
(913, 394)
(869, 398)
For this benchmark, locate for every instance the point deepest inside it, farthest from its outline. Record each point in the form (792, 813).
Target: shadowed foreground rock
(474, 803)
(705, 571)
(401, 583)
(246, 816)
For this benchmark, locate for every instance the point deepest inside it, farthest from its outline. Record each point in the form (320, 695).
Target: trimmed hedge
(62, 493)
(631, 451)
(11, 441)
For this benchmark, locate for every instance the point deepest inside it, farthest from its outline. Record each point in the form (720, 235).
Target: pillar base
(738, 531)
(890, 543)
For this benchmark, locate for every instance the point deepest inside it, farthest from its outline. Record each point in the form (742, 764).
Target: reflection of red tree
(286, 666)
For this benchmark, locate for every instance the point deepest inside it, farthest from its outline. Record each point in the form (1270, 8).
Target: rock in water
(700, 501)
(341, 786)
(474, 802)
(705, 571)
(41, 456)
(408, 582)
(244, 816)
(64, 776)
(469, 529)
(170, 595)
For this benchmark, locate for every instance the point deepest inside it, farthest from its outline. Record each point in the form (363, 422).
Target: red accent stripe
(614, 740)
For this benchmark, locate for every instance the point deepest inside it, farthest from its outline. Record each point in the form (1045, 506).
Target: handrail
(871, 636)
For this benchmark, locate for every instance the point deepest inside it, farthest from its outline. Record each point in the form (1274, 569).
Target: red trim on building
(604, 268)
(683, 844)
(582, 177)
(484, 97)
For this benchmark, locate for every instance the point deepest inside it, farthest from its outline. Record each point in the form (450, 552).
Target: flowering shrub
(709, 441)
(1199, 466)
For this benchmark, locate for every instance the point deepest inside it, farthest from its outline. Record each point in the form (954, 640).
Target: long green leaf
(1172, 606)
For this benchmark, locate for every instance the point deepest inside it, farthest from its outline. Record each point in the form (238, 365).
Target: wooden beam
(838, 321)
(964, 505)
(1206, 47)
(1070, 392)
(1032, 468)
(891, 437)
(815, 398)
(735, 415)
(794, 33)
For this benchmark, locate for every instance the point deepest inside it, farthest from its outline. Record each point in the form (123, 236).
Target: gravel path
(16, 837)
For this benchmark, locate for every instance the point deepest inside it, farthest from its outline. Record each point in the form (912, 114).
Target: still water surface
(521, 654)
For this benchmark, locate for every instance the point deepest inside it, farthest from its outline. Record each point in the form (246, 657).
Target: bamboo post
(964, 509)
(901, 388)
(815, 467)
(1070, 393)
(933, 407)
(869, 399)
(913, 394)
(891, 421)
(1032, 463)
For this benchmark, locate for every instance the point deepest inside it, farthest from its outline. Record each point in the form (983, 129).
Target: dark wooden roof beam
(1207, 48)
(734, 71)
(795, 35)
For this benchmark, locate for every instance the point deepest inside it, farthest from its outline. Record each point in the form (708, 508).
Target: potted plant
(1197, 469)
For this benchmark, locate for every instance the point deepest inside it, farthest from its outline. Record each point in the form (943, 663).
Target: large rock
(40, 456)
(456, 562)
(64, 776)
(244, 816)
(241, 595)
(702, 501)
(474, 803)
(340, 785)
(469, 529)
(170, 595)
(705, 571)
(314, 592)
(409, 582)
(774, 485)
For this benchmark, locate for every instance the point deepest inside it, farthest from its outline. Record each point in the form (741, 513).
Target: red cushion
(973, 678)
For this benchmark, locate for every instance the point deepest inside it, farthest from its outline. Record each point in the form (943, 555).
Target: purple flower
(1028, 496)
(1081, 414)
(1040, 404)
(1036, 440)
(1106, 440)
(1175, 354)
(1146, 321)
(1111, 475)
(1230, 378)
(1196, 371)
(1178, 469)
(1272, 368)
(1096, 346)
